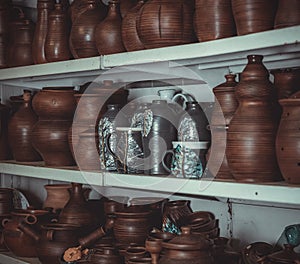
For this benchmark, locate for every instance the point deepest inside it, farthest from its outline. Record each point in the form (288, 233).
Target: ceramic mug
(129, 155)
(188, 159)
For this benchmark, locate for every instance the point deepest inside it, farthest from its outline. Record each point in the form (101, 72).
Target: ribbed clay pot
(288, 14)
(164, 23)
(213, 20)
(126, 6)
(253, 16)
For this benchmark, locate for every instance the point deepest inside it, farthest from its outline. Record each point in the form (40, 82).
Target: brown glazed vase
(286, 81)
(213, 20)
(253, 16)
(162, 23)
(288, 14)
(252, 131)
(20, 130)
(44, 8)
(5, 152)
(108, 32)
(82, 37)
(223, 111)
(130, 37)
(57, 39)
(288, 140)
(126, 6)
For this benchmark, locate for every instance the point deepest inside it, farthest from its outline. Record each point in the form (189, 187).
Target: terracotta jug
(222, 114)
(44, 8)
(82, 36)
(108, 32)
(213, 20)
(288, 14)
(252, 131)
(57, 39)
(253, 16)
(130, 36)
(20, 130)
(163, 23)
(5, 152)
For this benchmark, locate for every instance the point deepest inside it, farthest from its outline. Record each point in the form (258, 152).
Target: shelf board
(281, 192)
(9, 258)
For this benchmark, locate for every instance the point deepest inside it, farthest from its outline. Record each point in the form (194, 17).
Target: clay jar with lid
(252, 131)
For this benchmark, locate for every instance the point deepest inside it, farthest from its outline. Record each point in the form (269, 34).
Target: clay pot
(134, 252)
(44, 8)
(130, 37)
(213, 20)
(126, 6)
(164, 23)
(253, 16)
(57, 196)
(57, 39)
(5, 152)
(222, 114)
(288, 138)
(252, 131)
(4, 17)
(108, 32)
(6, 201)
(105, 256)
(288, 14)
(255, 251)
(20, 130)
(3, 51)
(82, 36)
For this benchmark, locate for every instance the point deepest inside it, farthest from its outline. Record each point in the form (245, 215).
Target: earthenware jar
(5, 152)
(252, 131)
(223, 111)
(20, 129)
(213, 20)
(288, 14)
(44, 8)
(253, 16)
(288, 138)
(57, 39)
(108, 33)
(82, 36)
(105, 256)
(166, 23)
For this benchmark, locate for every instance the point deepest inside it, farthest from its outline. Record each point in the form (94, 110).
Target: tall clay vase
(57, 40)
(224, 109)
(288, 14)
(213, 20)
(130, 36)
(82, 37)
(20, 129)
(108, 32)
(44, 8)
(5, 152)
(162, 23)
(252, 131)
(288, 140)
(253, 16)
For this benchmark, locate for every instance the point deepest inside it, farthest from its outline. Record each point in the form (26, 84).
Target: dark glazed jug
(288, 14)
(252, 130)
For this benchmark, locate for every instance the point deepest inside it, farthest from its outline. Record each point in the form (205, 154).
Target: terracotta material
(288, 138)
(253, 16)
(255, 251)
(5, 152)
(6, 201)
(82, 36)
(213, 20)
(4, 17)
(57, 39)
(20, 130)
(288, 14)
(108, 32)
(251, 135)
(126, 6)
(3, 51)
(223, 111)
(130, 36)
(105, 256)
(44, 8)
(166, 23)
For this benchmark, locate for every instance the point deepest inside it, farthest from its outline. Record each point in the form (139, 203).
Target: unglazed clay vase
(213, 20)
(222, 114)
(162, 23)
(57, 39)
(130, 36)
(108, 32)
(44, 8)
(253, 16)
(252, 131)
(288, 138)
(288, 14)
(82, 36)
(5, 152)
(20, 130)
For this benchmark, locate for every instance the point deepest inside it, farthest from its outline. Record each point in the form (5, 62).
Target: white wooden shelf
(281, 192)
(9, 258)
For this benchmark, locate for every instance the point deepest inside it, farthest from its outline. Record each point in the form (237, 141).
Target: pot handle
(30, 219)
(29, 231)
(107, 144)
(5, 221)
(168, 152)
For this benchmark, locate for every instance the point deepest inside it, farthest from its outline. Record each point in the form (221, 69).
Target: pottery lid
(187, 241)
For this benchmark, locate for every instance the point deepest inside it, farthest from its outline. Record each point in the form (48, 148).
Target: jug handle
(30, 219)
(168, 152)
(5, 221)
(107, 141)
(29, 231)
(185, 99)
